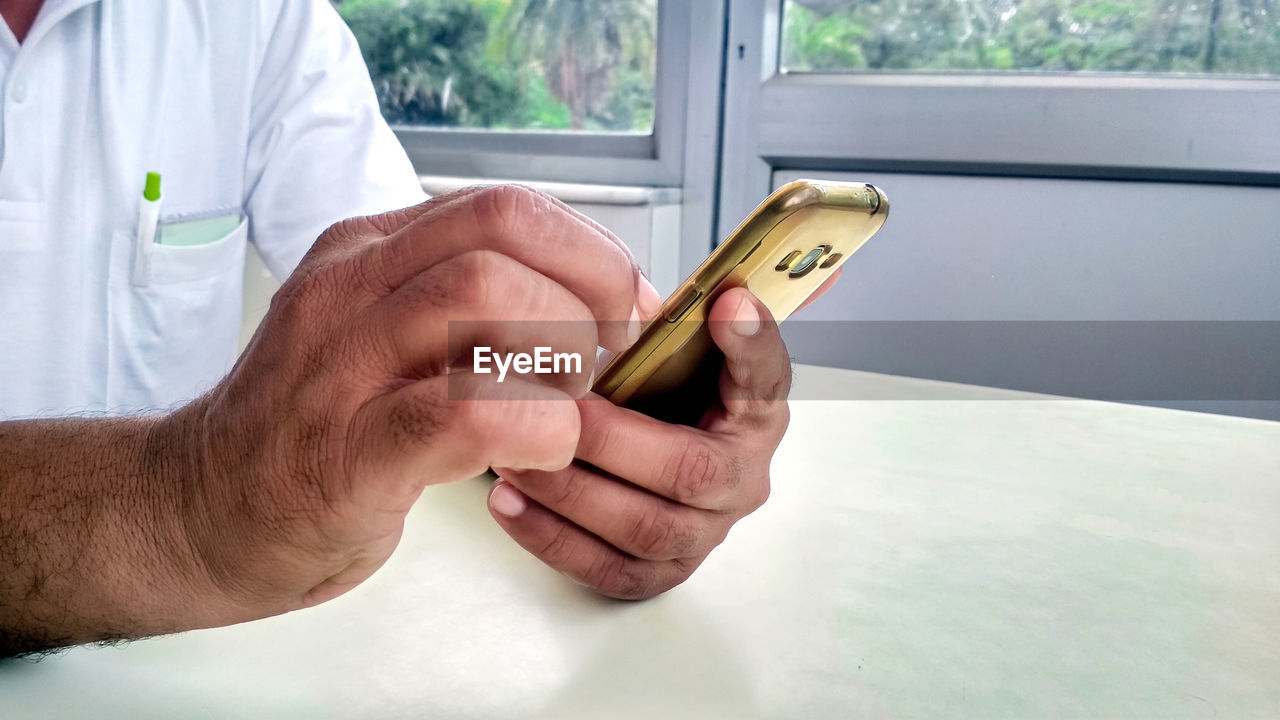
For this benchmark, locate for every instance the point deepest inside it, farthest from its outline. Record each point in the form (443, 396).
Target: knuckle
(765, 419)
(343, 233)
(557, 548)
(619, 274)
(388, 223)
(371, 271)
(767, 374)
(621, 577)
(658, 534)
(472, 281)
(569, 491)
(682, 569)
(353, 249)
(597, 436)
(625, 267)
(501, 209)
(695, 475)
(304, 290)
(780, 388)
(305, 305)
(617, 263)
(758, 493)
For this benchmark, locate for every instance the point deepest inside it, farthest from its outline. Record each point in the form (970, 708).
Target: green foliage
(580, 46)
(428, 64)
(509, 63)
(834, 42)
(1190, 36)
(545, 110)
(629, 106)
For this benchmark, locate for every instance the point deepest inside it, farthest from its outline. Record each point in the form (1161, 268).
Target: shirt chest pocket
(175, 336)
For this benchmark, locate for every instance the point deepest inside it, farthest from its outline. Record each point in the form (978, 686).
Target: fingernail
(633, 327)
(506, 500)
(648, 299)
(746, 321)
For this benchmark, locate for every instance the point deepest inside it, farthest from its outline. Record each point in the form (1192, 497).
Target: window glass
(510, 64)
(1239, 37)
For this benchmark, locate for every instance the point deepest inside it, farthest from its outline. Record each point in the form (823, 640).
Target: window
(481, 89)
(805, 96)
(582, 65)
(577, 91)
(1240, 37)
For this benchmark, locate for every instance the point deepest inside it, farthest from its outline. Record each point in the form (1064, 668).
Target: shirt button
(18, 91)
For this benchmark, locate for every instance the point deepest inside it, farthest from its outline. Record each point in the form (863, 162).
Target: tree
(510, 63)
(428, 64)
(1225, 36)
(581, 45)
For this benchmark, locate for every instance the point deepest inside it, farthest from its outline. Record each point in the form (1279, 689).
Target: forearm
(92, 545)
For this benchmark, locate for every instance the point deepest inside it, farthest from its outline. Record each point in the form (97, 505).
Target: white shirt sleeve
(319, 150)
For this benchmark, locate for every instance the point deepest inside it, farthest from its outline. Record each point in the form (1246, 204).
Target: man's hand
(350, 398)
(648, 501)
(288, 483)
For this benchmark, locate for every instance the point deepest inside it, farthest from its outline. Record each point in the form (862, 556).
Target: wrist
(197, 512)
(152, 575)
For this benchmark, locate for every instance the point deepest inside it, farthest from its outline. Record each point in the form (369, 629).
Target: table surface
(943, 551)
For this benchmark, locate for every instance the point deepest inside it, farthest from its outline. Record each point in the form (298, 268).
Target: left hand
(682, 488)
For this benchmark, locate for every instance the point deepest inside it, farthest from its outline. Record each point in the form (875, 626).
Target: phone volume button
(682, 305)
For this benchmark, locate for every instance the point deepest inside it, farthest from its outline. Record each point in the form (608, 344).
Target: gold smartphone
(782, 253)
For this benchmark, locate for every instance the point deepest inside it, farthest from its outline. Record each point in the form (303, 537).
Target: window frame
(653, 159)
(1084, 126)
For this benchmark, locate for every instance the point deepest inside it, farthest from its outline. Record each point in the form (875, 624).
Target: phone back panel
(782, 253)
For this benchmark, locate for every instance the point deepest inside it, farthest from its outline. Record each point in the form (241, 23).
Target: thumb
(756, 376)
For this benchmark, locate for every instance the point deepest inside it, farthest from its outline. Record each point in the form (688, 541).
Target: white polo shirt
(261, 110)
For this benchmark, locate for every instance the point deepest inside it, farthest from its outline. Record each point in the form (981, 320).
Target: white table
(1004, 555)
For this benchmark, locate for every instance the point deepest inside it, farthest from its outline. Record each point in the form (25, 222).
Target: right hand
(309, 454)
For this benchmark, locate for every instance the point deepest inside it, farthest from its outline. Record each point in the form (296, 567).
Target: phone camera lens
(808, 262)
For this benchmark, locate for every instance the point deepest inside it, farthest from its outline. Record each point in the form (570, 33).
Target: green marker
(148, 225)
(151, 193)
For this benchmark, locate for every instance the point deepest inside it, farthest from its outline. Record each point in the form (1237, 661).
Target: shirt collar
(8, 42)
(52, 13)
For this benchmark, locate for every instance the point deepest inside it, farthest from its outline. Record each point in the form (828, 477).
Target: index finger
(529, 227)
(390, 222)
